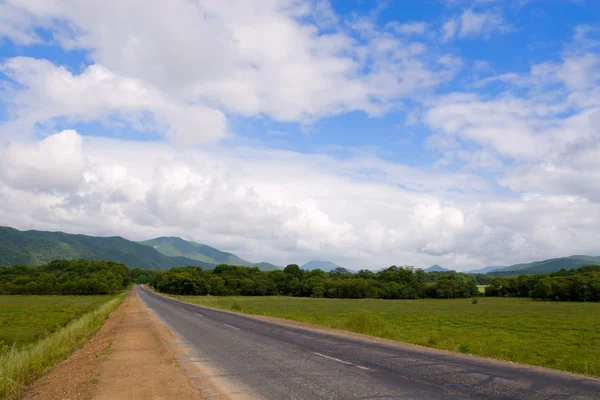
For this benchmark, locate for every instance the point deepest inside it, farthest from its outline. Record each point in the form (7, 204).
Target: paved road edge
(399, 344)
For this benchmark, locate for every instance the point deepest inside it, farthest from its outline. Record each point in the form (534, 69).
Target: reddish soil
(129, 358)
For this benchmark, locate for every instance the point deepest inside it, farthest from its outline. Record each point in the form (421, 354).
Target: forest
(391, 283)
(77, 277)
(582, 284)
(66, 277)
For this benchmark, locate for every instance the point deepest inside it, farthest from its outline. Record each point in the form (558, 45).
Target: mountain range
(39, 247)
(545, 266)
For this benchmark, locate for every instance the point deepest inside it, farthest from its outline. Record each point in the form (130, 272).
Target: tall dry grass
(20, 367)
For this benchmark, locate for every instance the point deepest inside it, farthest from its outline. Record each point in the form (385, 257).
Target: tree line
(66, 277)
(391, 283)
(76, 277)
(581, 284)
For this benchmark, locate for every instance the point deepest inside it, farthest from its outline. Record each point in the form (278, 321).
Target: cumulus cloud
(45, 92)
(280, 206)
(540, 134)
(512, 182)
(17, 24)
(56, 163)
(288, 60)
(544, 115)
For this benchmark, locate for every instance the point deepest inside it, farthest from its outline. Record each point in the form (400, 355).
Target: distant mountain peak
(436, 268)
(326, 266)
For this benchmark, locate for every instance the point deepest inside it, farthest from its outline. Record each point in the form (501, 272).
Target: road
(264, 360)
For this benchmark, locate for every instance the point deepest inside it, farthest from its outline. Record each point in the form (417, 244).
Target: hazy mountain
(39, 247)
(177, 247)
(265, 266)
(436, 268)
(484, 270)
(551, 265)
(326, 266)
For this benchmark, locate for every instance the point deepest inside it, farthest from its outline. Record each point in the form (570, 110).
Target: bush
(364, 321)
(463, 348)
(474, 300)
(235, 306)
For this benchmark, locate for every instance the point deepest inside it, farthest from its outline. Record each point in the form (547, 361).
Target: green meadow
(560, 335)
(43, 330)
(26, 319)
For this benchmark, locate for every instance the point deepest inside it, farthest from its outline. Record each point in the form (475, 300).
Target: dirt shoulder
(129, 358)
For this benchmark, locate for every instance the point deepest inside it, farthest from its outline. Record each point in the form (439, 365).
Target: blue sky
(462, 133)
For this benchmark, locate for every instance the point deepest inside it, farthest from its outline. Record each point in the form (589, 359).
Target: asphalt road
(265, 360)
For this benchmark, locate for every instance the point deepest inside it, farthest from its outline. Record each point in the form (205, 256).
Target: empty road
(263, 360)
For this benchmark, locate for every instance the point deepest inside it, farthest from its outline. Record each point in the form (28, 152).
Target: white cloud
(580, 73)
(409, 28)
(474, 24)
(17, 24)
(283, 206)
(520, 158)
(449, 30)
(45, 92)
(54, 164)
(546, 116)
(540, 134)
(251, 58)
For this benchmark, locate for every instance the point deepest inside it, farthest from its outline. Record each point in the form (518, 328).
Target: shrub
(364, 321)
(236, 306)
(463, 348)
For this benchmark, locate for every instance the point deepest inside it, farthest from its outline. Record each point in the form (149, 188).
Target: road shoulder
(130, 357)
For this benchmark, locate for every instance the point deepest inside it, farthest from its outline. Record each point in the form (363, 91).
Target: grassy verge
(559, 335)
(26, 319)
(21, 366)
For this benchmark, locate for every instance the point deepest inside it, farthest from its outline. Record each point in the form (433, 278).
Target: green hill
(546, 266)
(38, 247)
(326, 266)
(265, 266)
(485, 270)
(177, 247)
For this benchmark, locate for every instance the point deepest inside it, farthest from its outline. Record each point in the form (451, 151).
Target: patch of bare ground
(129, 358)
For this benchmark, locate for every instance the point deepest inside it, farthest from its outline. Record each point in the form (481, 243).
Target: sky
(463, 133)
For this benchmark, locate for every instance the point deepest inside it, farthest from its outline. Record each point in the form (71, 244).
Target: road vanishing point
(258, 359)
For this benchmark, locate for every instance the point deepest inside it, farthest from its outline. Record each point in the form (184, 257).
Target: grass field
(19, 366)
(26, 319)
(558, 335)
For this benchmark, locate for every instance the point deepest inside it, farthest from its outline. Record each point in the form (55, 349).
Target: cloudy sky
(461, 132)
